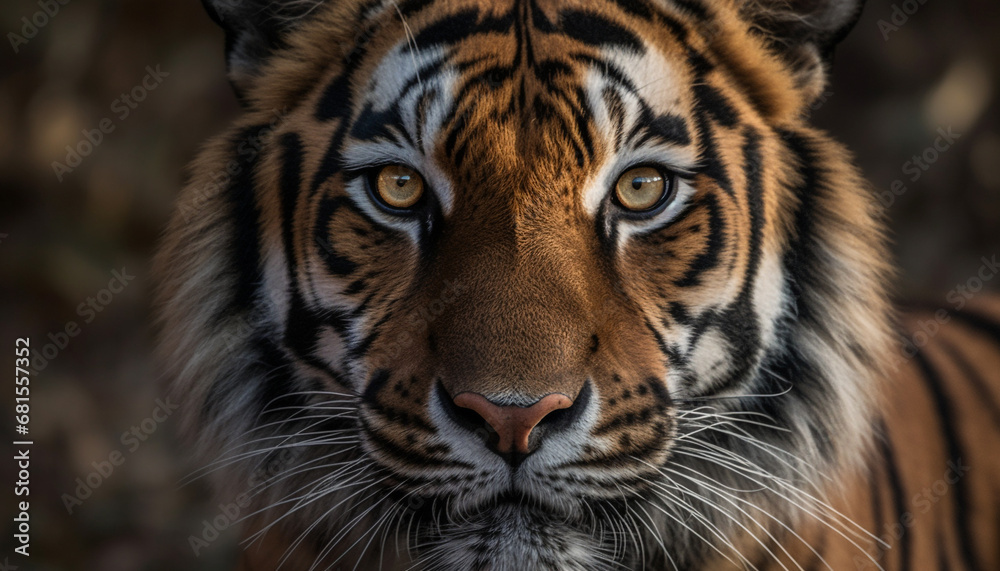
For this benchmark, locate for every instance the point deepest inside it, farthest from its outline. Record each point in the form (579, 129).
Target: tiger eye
(399, 187)
(641, 188)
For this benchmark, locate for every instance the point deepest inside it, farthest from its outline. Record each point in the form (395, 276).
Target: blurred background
(64, 232)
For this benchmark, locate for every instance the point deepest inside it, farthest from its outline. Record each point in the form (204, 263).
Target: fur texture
(726, 353)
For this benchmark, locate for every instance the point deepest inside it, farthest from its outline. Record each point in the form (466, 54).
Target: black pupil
(637, 182)
(402, 180)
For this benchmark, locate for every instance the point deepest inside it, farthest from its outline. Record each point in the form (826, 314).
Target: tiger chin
(534, 285)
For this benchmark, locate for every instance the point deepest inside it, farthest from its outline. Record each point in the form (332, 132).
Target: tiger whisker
(736, 521)
(301, 469)
(721, 490)
(368, 484)
(712, 527)
(301, 503)
(226, 454)
(853, 528)
(701, 480)
(372, 529)
(229, 461)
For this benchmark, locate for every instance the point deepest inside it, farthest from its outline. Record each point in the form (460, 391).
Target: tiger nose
(513, 424)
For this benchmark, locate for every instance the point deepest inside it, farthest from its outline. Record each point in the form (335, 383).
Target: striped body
(928, 489)
(718, 360)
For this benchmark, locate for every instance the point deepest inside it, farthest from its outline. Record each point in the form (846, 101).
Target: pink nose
(513, 424)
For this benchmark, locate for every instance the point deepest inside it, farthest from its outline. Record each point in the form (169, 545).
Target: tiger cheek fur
(532, 361)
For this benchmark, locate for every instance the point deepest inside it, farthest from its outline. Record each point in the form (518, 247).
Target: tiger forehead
(506, 89)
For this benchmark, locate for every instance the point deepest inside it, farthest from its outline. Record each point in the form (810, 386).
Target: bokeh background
(60, 241)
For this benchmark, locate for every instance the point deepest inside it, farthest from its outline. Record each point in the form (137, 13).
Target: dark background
(64, 239)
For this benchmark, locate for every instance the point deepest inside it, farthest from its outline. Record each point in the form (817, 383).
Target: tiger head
(521, 284)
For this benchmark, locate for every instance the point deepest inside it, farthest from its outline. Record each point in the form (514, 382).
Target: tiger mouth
(507, 508)
(509, 533)
(514, 499)
(508, 504)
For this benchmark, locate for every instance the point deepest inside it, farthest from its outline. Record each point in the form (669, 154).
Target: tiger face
(526, 284)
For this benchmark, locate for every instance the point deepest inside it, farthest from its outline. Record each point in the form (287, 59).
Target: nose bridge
(525, 331)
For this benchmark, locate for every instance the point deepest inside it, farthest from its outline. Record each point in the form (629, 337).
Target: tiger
(563, 285)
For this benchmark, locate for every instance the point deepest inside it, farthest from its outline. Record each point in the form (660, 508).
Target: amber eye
(398, 186)
(641, 188)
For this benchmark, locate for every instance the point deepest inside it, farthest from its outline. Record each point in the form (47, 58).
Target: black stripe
(679, 313)
(700, 65)
(700, 325)
(244, 220)
(943, 564)
(637, 8)
(375, 384)
(335, 102)
(401, 418)
(448, 30)
(878, 522)
(712, 165)
(291, 186)
(302, 326)
(539, 20)
(802, 262)
(460, 26)
(981, 323)
(693, 7)
(671, 128)
(659, 340)
(679, 30)
(330, 163)
(548, 71)
(458, 126)
(545, 112)
(715, 103)
(336, 263)
(385, 125)
(740, 323)
(582, 121)
(426, 100)
(753, 168)
(411, 7)
(403, 455)
(595, 30)
(609, 71)
(898, 491)
(709, 257)
(361, 349)
(628, 419)
(956, 453)
(986, 396)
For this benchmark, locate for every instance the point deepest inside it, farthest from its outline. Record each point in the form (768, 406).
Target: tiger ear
(804, 33)
(254, 30)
